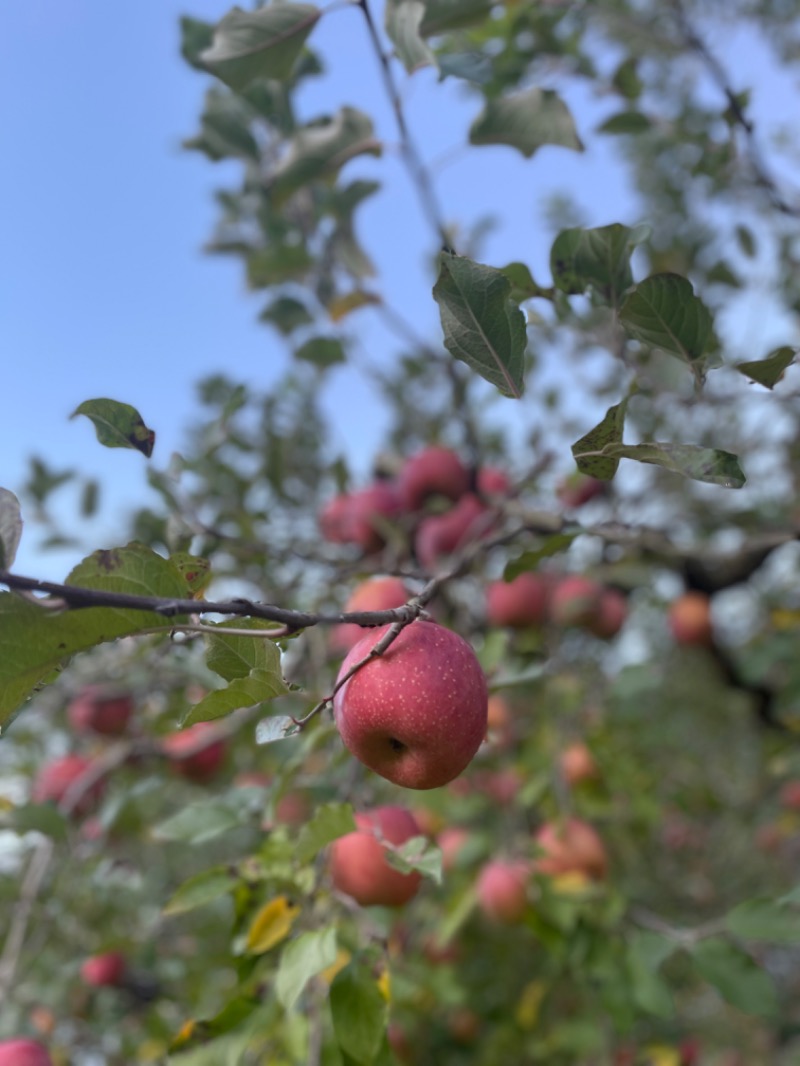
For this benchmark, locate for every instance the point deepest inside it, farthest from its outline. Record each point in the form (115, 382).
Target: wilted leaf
(272, 923)
(259, 44)
(769, 371)
(118, 425)
(526, 121)
(590, 451)
(482, 327)
(10, 528)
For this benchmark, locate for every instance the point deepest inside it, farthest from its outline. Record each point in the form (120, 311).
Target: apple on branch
(416, 714)
(377, 594)
(358, 863)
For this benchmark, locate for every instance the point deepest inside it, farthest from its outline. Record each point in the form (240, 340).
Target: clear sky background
(104, 289)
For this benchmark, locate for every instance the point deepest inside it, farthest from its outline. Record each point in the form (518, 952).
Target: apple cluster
(534, 599)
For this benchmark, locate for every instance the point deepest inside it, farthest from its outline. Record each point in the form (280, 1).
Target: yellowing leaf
(526, 1014)
(571, 884)
(341, 306)
(660, 1055)
(272, 924)
(342, 959)
(385, 985)
(184, 1034)
(784, 618)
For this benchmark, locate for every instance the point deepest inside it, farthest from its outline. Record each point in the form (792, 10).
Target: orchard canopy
(548, 810)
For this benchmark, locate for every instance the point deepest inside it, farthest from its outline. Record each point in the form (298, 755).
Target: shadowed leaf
(118, 425)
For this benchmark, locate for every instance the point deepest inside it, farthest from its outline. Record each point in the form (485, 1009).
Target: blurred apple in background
(502, 890)
(24, 1053)
(571, 846)
(577, 763)
(439, 535)
(689, 619)
(519, 603)
(104, 970)
(377, 594)
(434, 471)
(358, 862)
(190, 757)
(578, 489)
(575, 601)
(101, 710)
(55, 779)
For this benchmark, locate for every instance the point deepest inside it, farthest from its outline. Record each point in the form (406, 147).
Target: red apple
(578, 489)
(416, 715)
(377, 594)
(334, 520)
(570, 847)
(107, 969)
(493, 482)
(451, 843)
(502, 890)
(358, 864)
(370, 509)
(434, 471)
(100, 710)
(442, 534)
(689, 618)
(577, 764)
(24, 1053)
(55, 779)
(575, 601)
(293, 808)
(499, 721)
(519, 603)
(611, 614)
(190, 757)
(500, 785)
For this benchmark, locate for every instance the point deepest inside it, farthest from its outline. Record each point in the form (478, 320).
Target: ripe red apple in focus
(55, 778)
(502, 890)
(519, 603)
(575, 601)
(358, 864)
(434, 471)
(100, 710)
(106, 969)
(442, 534)
(24, 1053)
(689, 618)
(416, 715)
(577, 764)
(190, 757)
(570, 847)
(578, 489)
(377, 594)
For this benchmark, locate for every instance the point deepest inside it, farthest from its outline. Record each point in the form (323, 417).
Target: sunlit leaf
(481, 325)
(310, 954)
(526, 121)
(118, 425)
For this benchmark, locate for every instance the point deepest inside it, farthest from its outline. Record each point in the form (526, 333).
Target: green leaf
(196, 36)
(118, 425)
(746, 241)
(320, 150)
(201, 889)
(625, 122)
(231, 655)
(736, 977)
(330, 821)
(286, 314)
(590, 450)
(258, 687)
(646, 952)
(248, 45)
(663, 312)
(417, 854)
(277, 727)
(302, 959)
(444, 15)
(765, 919)
(225, 128)
(37, 640)
(10, 528)
(402, 20)
(359, 1013)
(481, 326)
(196, 572)
(321, 351)
(199, 822)
(597, 258)
(769, 371)
(276, 264)
(471, 66)
(553, 545)
(43, 818)
(526, 121)
(710, 465)
(523, 287)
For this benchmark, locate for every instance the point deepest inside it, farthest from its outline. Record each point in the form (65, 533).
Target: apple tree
(484, 751)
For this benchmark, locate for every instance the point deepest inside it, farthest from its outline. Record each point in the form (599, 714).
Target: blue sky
(104, 290)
